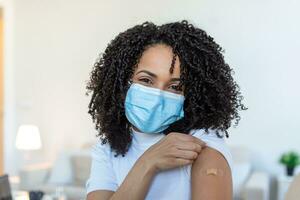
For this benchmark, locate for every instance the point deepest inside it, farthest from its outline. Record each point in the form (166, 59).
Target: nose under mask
(152, 110)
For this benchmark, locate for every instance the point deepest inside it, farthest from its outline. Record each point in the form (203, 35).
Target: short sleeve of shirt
(214, 141)
(102, 176)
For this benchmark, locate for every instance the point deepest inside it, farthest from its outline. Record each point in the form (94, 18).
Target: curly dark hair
(212, 97)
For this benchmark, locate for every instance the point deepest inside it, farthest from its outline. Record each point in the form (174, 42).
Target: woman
(162, 99)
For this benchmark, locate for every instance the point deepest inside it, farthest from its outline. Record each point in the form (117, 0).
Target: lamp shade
(28, 138)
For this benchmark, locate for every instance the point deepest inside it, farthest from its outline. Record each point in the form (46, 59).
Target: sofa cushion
(61, 171)
(242, 159)
(240, 175)
(81, 165)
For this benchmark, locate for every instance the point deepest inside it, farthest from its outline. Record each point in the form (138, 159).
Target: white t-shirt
(108, 172)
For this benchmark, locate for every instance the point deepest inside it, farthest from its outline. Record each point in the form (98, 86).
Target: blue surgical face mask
(152, 110)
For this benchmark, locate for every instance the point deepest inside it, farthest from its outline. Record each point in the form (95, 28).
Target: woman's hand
(174, 150)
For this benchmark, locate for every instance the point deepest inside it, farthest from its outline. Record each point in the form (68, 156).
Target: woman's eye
(176, 88)
(145, 80)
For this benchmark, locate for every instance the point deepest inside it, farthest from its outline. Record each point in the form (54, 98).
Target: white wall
(56, 43)
(9, 112)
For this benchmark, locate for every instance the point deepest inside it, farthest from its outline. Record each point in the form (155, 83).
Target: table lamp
(28, 138)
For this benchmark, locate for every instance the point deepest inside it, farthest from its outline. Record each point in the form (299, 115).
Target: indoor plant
(290, 160)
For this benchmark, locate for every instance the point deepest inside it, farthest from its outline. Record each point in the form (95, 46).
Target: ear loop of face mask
(129, 82)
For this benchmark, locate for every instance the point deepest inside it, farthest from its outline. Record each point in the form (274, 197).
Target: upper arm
(216, 155)
(207, 186)
(102, 182)
(100, 195)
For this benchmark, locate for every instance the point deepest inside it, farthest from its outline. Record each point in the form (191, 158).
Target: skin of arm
(135, 186)
(210, 186)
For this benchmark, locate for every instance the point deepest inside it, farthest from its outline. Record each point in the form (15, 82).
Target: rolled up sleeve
(212, 140)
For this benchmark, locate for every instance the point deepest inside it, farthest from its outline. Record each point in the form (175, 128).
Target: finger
(191, 146)
(186, 154)
(190, 138)
(182, 162)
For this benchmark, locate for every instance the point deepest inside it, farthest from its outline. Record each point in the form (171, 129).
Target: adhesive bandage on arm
(212, 171)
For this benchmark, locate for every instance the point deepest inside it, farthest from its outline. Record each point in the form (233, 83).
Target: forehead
(158, 59)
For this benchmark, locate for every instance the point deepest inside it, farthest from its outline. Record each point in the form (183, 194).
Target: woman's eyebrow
(147, 72)
(154, 75)
(175, 79)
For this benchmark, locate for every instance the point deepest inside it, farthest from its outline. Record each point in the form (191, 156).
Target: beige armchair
(293, 192)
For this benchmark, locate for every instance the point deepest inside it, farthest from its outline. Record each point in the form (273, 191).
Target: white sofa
(248, 183)
(71, 170)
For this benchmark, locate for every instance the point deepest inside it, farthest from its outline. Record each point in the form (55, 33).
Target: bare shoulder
(210, 157)
(211, 176)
